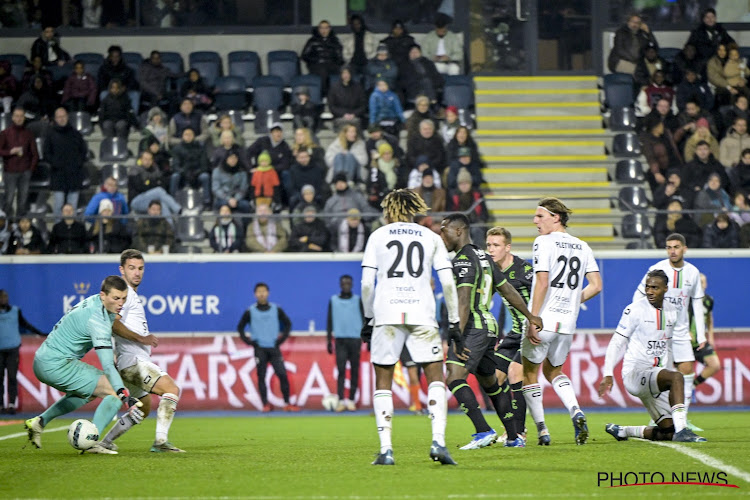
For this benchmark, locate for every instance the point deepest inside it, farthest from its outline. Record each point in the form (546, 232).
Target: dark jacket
(116, 237)
(684, 225)
(142, 179)
(398, 48)
(189, 159)
(316, 232)
(219, 238)
(377, 69)
(474, 168)
(65, 151)
(281, 154)
(698, 90)
(80, 87)
(681, 64)
(319, 50)
(343, 99)
(695, 173)
(706, 39)
(153, 78)
(314, 174)
(15, 136)
(121, 71)
(433, 148)
(421, 77)
(41, 48)
(156, 232)
(713, 237)
(9, 86)
(629, 46)
(117, 107)
(68, 239)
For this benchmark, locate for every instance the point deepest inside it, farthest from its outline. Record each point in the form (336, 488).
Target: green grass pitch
(328, 456)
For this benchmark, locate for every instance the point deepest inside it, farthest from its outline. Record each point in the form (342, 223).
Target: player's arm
(450, 294)
(246, 337)
(514, 298)
(616, 348)
(541, 286)
(119, 329)
(594, 286)
(286, 327)
(710, 328)
(101, 339)
(368, 290)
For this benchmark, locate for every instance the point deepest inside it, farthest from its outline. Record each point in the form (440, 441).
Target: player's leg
(552, 368)
(385, 348)
(167, 388)
(4, 355)
(341, 367)
(532, 356)
(515, 377)
(684, 361)
(263, 357)
(12, 366)
(412, 371)
(277, 362)
(711, 364)
(503, 401)
(644, 385)
(353, 355)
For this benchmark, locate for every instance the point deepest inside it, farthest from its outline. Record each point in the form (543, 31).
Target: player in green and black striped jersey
(508, 352)
(707, 355)
(477, 279)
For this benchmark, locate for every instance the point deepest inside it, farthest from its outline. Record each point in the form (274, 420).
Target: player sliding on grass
(645, 334)
(477, 279)
(58, 364)
(134, 361)
(400, 310)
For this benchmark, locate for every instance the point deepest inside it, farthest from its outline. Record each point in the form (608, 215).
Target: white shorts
(423, 342)
(643, 385)
(555, 347)
(682, 350)
(141, 377)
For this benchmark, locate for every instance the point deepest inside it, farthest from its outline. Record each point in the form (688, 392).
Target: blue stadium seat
(230, 93)
(459, 91)
(118, 171)
(268, 92)
(91, 62)
(244, 63)
(622, 119)
(636, 226)
(173, 61)
(284, 64)
(114, 149)
(209, 65)
(618, 90)
(632, 198)
(61, 73)
(18, 63)
(134, 60)
(313, 84)
(745, 52)
(669, 53)
(629, 171)
(626, 145)
(81, 121)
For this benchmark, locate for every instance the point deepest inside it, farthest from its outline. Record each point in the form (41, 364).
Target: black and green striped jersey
(473, 267)
(519, 274)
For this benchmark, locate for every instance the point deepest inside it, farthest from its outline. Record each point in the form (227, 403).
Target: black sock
(519, 406)
(502, 401)
(469, 405)
(698, 380)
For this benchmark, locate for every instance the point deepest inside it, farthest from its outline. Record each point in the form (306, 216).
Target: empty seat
(268, 92)
(313, 84)
(629, 171)
(617, 78)
(190, 199)
(81, 121)
(18, 63)
(622, 119)
(632, 198)
(284, 64)
(114, 149)
(117, 171)
(244, 63)
(459, 91)
(636, 226)
(208, 63)
(619, 95)
(91, 62)
(626, 146)
(190, 229)
(173, 61)
(134, 60)
(230, 93)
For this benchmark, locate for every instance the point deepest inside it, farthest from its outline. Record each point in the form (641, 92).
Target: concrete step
(582, 230)
(542, 122)
(524, 109)
(544, 158)
(489, 133)
(532, 83)
(535, 95)
(524, 201)
(581, 175)
(543, 147)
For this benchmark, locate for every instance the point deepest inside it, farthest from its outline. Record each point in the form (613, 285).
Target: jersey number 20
(573, 266)
(413, 246)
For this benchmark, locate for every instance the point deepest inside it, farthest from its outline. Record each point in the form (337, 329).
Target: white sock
(679, 417)
(565, 392)
(632, 431)
(122, 425)
(437, 405)
(533, 395)
(382, 404)
(688, 390)
(164, 416)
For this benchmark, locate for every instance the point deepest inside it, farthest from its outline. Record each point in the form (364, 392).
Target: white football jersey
(567, 259)
(684, 285)
(404, 255)
(648, 331)
(133, 316)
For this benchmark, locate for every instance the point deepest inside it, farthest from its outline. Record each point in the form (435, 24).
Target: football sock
(679, 417)
(502, 401)
(533, 395)
(62, 406)
(382, 404)
(698, 380)
(105, 411)
(414, 392)
(565, 392)
(469, 404)
(437, 405)
(164, 416)
(688, 389)
(519, 406)
(123, 424)
(632, 431)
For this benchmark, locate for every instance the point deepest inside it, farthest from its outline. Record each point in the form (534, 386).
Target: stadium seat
(459, 91)
(230, 93)
(268, 92)
(173, 61)
(632, 198)
(41, 177)
(114, 149)
(669, 53)
(745, 53)
(118, 171)
(626, 146)
(629, 171)
(134, 60)
(639, 245)
(18, 63)
(81, 121)
(61, 73)
(208, 63)
(91, 62)
(618, 90)
(190, 199)
(5, 120)
(312, 82)
(636, 226)
(622, 119)
(244, 63)
(284, 64)
(190, 229)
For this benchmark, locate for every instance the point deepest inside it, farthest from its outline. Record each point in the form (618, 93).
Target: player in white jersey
(134, 363)
(560, 261)
(400, 310)
(645, 333)
(684, 289)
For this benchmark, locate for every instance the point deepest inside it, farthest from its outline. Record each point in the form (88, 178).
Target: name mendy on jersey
(397, 231)
(197, 305)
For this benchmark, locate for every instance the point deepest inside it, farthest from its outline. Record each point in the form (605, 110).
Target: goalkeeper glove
(132, 405)
(454, 334)
(366, 332)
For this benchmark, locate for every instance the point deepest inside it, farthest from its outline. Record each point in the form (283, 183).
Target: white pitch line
(706, 459)
(23, 434)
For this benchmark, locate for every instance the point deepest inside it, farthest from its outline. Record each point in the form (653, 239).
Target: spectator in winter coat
(385, 109)
(107, 234)
(709, 35)
(691, 87)
(109, 191)
(702, 134)
(422, 165)
(147, 182)
(676, 222)
(695, 173)
(398, 42)
(275, 145)
(227, 147)
(310, 234)
(156, 127)
(420, 77)
(265, 235)
(38, 99)
(20, 158)
(9, 86)
(715, 75)
(740, 174)
(721, 233)
(224, 122)
(36, 68)
(79, 92)
(444, 48)
(306, 114)
(114, 67)
(687, 59)
(265, 182)
(229, 185)
(227, 235)
(433, 196)
(69, 235)
(465, 198)
(47, 46)
(449, 127)
(674, 188)
(427, 143)
(153, 79)
(351, 235)
(359, 46)
(464, 161)
(630, 41)
(188, 117)
(26, 239)
(347, 101)
(346, 154)
(736, 141)
(116, 114)
(190, 167)
(652, 93)
(688, 119)
(342, 200)
(649, 64)
(660, 151)
(305, 172)
(66, 151)
(197, 90)
(422, 111)
(323, 54)
(381, 66)
(740, 213)
(153, 234)
(712, 197)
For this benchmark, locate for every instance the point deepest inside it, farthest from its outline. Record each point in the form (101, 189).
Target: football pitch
(327, 456)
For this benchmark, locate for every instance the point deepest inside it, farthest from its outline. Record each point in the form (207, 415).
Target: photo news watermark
(620, 479)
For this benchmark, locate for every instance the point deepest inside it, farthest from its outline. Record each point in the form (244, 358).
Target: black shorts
(507, 351)
(702, 354)
(482, 356)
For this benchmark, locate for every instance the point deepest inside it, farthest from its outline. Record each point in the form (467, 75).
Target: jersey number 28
(573, 267)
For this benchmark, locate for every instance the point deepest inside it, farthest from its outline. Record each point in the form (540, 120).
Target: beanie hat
(106, 204)
(384, 147)
(264, 156)
(463, 176)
